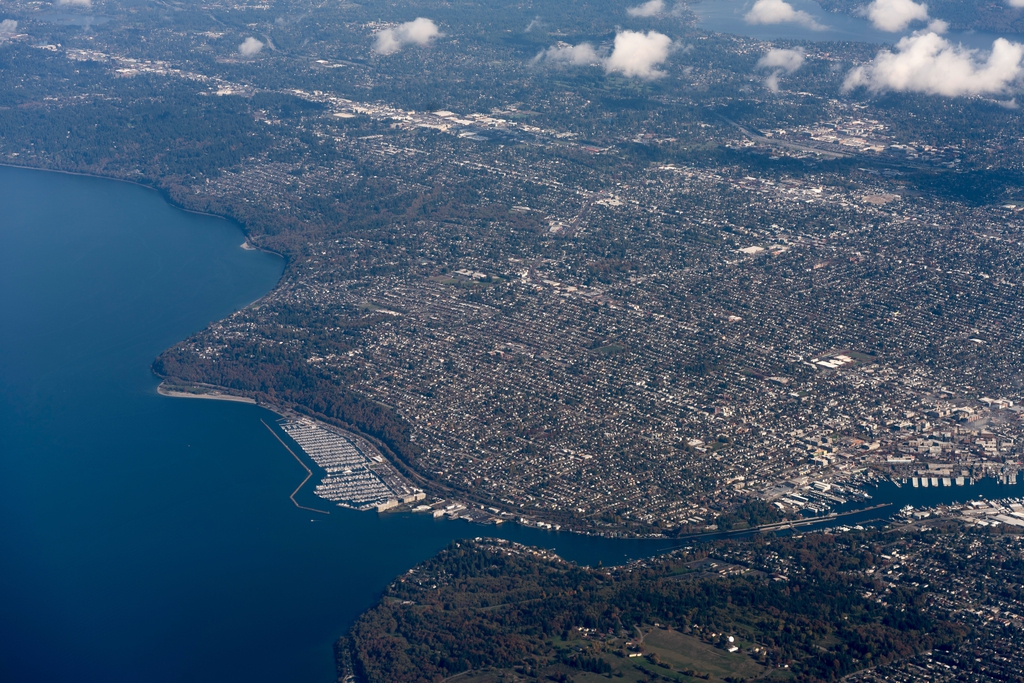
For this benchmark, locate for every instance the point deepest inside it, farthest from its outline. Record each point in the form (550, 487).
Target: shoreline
(286, 412)
(247, 245)
(823, 522)
(212, 396)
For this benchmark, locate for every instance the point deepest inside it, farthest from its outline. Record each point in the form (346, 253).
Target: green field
(667, 656)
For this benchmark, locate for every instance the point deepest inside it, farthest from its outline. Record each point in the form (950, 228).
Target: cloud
(8, 27)
(578, 55)
(787, 60)
(1015, 3)
(650, 8)
(928, 63)
(780, 61)
(780, 12)
(895, 15)
(637, 54)
(75, 3)
(419, 31)
(250, 47)
(634, 54)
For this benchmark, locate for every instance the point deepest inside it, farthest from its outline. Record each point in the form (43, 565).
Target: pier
(355, 478)
(309, 473)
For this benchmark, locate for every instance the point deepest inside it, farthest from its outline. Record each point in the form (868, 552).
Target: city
(595, 272)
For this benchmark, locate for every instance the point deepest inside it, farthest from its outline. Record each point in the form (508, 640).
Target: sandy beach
(212, 395)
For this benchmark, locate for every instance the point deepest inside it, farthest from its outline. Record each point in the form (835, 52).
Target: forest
(485, 605)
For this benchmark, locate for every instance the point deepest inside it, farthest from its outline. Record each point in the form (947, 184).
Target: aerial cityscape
(741, 278)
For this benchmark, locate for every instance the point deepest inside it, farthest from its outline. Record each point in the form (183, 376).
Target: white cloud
(1015, 3)
(787, 60)
(75, 3)
(8, 27)
(780, 12)
(780, 61)
(419, 31)
(250, 47)
(895, 15)
(928, 63)
(638, 54)
(634, 54)
(648, 9)
(578, 55)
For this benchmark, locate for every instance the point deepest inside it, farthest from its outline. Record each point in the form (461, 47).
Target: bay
(727, 16)
(152, 538)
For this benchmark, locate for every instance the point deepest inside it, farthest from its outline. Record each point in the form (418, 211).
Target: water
(726, 16)
(151, 538)
(988, 488)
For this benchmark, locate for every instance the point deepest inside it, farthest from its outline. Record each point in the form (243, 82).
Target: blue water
(151, 538)
(727, 16)
(921, 497)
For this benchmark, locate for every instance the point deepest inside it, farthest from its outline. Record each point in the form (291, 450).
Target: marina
(142, 546)
(356, 475)
(309, 473)
(153, 582)
(992, 512)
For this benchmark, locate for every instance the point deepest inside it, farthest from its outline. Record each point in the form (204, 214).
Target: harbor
(356, 475)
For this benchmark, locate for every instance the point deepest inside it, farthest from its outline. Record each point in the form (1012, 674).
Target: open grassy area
(687, 653)
(610, 349)
(677, 657)
(533, 617)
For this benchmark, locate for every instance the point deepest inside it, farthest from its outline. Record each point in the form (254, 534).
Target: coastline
(217, 393)
(247, 245)
(211, 396)
(210, 392)
(870, 514)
